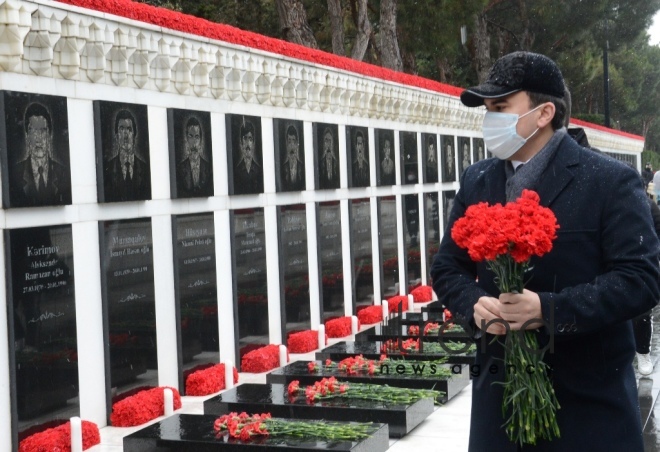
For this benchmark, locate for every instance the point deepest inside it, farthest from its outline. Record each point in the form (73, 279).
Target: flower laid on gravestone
(340, 327)
(262, 359)
(507, 237)
(330, 388)
(304, 341)
(142, 407)
(246, 427)
(412, 346)
(208, 381)
(59, 438)
(358, 365)
(370, 314)
(394, 302)
(422, 294)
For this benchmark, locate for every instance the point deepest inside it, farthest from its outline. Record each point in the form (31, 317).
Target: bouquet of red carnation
(394, 302)
(207, 381)
(340, 327)
(507, 237)
(422, 294)
(304, 341)
(370, 314)
(261, 360)
(59, 438)
(142, 407)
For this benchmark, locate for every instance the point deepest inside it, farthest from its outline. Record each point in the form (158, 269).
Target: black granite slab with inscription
(411, 240)
(196, 292)
(386, 168)
(409, 161)
(430, 158)
(372, 350)
(361, 253)
(389, 247)
(274, 399)
(432, 228)
(357, 150)
(386, 332)
(127, 282)
(249, 279)
(41, 308)
(330, 256)
(386, 374)
(195, 433)
(245, 170)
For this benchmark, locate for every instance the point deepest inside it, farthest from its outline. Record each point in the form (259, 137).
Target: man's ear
(547, 115)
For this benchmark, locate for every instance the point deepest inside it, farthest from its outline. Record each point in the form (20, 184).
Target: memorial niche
(386, 168)
(478, 149)
(430, 158)
(330, 259)
(196, 293)
(448, 158)
(289, 155)
(389, 247)
(357, 148)
(326, 154)
(250, 280)
(411, 241)
(35, 136)
(463, 154)
(363, 278)
(409, 167)
(127, 277)
(41, 312)
(447, 204)
(245, 169)
(191, 156)
(432, 215)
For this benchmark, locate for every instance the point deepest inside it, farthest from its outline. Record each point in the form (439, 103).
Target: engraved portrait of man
(289, 148)
(327, 152)
(449, 169)
(246, 163)
(386, 168)
(361, 175)
(431, 159)
(194, 168)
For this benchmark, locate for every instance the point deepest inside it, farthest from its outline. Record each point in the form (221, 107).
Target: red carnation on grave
(262, 359)
(208, 381)
(304, 341)
(370, 314)
(394, 302)
(59, 438)
(340, 327)
(422, 294)
(142, 407)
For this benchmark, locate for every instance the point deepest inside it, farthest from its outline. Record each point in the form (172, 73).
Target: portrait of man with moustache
(192, 149)
(327, 152)
(289, 145)
(245, 158)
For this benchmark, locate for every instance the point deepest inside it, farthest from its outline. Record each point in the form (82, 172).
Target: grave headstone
(326, 155)
(389, 246)
(361, 253)
(330, 254)
(448, 159)
(411, 240)
(430, 157)
(245, 166)
(409, 164)
(386, 168)
(289, 155)
(432, 216)
(357, 150)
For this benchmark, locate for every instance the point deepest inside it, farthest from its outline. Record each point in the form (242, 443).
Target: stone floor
(447, 429)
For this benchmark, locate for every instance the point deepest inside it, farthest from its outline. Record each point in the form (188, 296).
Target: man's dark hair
(192, 121)
(247, 127)
(360, 135)
(536, 99)
(292, 131)
(36, 109)
(125, 114)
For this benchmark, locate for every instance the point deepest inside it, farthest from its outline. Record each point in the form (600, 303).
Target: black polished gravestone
(430, 158)
(386, 167)
(330, 259)
(447, 204)
(394, 331)
(391, 373)
(411, 245)
(361, 257)
(389, 247)
(289, 141)
(294, 268)
(195, 433)
(250, 276)
(196, 292)
(409, 166)
(274, 399)
(127, 280)
(374, 350)
(41, 310)
(245, 170)
(432, 228)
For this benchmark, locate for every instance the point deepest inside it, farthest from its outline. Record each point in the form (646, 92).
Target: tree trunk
(389, 45)
(481, 47)
(527, 38)
(293, 23)
(363, 31)
(337, 24)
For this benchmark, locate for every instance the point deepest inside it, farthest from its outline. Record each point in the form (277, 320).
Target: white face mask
(500, 134)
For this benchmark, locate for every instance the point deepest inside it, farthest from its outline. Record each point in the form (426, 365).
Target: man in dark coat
(601, 272)
(194, 176)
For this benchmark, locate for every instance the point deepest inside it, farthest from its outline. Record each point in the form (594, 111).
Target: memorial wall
(171, 200)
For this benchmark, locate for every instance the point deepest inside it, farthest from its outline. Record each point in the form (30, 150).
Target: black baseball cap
(517, 71)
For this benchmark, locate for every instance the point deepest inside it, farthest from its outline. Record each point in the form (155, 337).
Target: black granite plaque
(447, 204)
(363, 278)
(191, 156)
(478, 149)
(121, 132)
(245, 167)
(386, 168)
(330, 259)
(400, 330)
(372, 350)
(385, 374)
(448, 153)
(196, 290)
(430, 157)
(250, 280)
(127, 277)
(294, 268)
(274, 399)
(357, 149)
(432, 217)
(289, 155)
(195, 433)
(464, 154)
(326, 155)
(34, 136)
(389, 247)
(41, 308)
(409, 166)
(411, 240)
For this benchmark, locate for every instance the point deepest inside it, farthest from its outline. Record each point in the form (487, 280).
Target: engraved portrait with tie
(289, 155)
(359, 151)
(326, 149)
(244, 154)
(124, 145)
(386, 169)
(190, 150)
(37, 150)
(430, 158)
